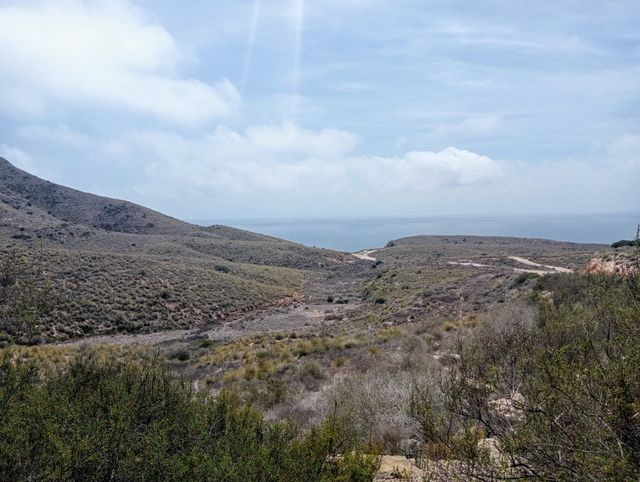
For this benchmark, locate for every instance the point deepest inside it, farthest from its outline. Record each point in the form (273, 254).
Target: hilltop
(36, 204)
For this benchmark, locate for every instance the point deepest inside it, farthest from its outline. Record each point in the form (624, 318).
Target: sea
(355, 234)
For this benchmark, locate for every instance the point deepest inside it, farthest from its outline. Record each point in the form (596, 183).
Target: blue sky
(279, 108)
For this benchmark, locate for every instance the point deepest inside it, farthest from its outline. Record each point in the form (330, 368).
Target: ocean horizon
(355, 234)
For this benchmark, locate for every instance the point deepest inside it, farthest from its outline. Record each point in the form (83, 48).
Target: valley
(300, 333)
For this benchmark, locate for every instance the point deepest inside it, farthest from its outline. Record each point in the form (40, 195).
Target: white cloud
(513, 39)
(289, 160)
(626, 150)
(352, 86)
(456, 165)
(470, 127)
(289, 138)
(100, 52)
(230, 173)
(275, 170)
(61, 134)
(17, 157)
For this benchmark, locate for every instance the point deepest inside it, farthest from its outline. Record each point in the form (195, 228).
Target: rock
(410, 447)
(618, 265)
(511, 408)
(492, 447)
(398, 467)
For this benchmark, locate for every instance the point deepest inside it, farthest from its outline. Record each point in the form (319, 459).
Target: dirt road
(365, 254)
(549, 268)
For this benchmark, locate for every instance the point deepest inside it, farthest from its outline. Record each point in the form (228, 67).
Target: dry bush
(378, 403)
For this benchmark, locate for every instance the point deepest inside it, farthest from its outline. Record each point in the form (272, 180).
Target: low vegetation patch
(112, 421)
(626, 242)
(556, 396)
(55, 294)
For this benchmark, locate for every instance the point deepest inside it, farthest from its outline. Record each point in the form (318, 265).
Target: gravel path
(299, 318)
(549, 268)
(365, 254)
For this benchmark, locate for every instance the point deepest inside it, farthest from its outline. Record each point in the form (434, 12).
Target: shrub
(26, 295)
(626, 242)
(560, 393)
(340, 361)
(522, 278)
(376, 406)
(111, 421)
(181, 355)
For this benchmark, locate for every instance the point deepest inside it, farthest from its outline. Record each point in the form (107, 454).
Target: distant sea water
(356, 234)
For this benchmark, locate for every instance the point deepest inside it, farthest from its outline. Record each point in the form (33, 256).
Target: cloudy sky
(292, 108)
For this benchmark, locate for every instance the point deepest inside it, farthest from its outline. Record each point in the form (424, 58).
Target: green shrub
(112, 421)
(569, 381)
(626, 242)
(180, 355)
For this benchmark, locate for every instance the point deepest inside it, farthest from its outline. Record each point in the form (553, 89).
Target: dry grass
(258, 357)
(52, 358)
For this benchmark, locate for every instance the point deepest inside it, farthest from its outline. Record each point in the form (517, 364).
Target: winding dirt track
(365, 254)
(549, 268)
(300, 318)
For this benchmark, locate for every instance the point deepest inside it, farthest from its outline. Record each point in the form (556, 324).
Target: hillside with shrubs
(180, 352)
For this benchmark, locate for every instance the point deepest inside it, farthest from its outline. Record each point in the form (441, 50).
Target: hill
(115, 266)
(30, 201)
(460, 352)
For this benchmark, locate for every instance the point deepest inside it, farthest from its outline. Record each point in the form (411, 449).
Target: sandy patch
(398, 467)
(365, 254)
(469, 263)
(549, 268)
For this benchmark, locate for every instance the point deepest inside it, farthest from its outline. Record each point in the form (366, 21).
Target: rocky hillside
(623, 263)
(74, 264)
(27, 200)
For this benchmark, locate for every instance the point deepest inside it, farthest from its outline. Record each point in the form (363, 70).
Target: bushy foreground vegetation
(96, 420)
(547, 388)
(552, 398)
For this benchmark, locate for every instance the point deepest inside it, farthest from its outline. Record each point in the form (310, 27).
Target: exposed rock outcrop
(627, 264)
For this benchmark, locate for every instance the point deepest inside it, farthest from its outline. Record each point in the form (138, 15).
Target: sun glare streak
(248, 58)
(298, 11)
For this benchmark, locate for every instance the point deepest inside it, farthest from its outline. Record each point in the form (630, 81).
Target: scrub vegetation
(134, 346)
(101, 420)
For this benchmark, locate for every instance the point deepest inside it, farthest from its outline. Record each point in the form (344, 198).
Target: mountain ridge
(35, 208)
(22, 190)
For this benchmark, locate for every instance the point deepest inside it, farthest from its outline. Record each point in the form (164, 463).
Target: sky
(233, 109)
